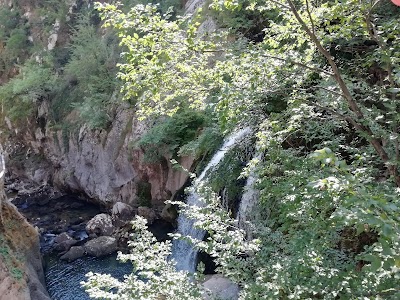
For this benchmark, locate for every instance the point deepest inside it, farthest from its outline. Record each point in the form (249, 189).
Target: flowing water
(182, 252)
(249, 199)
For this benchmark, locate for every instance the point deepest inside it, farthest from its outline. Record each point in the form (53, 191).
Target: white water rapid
(182, 252)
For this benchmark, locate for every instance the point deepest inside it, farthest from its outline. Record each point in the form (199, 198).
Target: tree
(324, 23)
(165, 67)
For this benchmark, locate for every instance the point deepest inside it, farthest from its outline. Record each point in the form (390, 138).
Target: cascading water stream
(184, 253)
(249, 199)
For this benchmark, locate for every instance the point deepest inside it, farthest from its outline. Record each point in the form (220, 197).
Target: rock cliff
(103, 164)
(21, 272)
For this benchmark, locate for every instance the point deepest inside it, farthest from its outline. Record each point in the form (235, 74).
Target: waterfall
(249, 198)
(182, 252)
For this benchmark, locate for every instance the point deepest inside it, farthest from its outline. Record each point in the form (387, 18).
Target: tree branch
(319, 70)
(381, 44)
(375, 142)
(335, 113)
(310, 17)
(330, 91)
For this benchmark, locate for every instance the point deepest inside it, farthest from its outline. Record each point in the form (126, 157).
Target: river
(63, 279)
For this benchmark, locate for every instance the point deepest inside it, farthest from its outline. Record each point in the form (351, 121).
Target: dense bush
(79, 75)
(91, 73)
(21, 95)
(13, 38)
(170, 134)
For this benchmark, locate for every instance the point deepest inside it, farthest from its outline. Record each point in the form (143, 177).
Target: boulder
(169, 213)
(122, 213)
(63, 242)
(147, 213)
(100, 224)
(74, 253)
(101, 246)
(62, 238)
(220, 287)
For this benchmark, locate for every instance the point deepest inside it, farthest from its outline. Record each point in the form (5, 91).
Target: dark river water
(63, 279)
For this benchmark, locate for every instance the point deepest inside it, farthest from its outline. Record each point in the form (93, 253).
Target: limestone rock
(62, 238)
(98, 163)
(23, 244)
(100, 224)
(169, 213)
(192, 5)
(147, 213)
(122, 213)
(101, 246)
(52, 40)
(63, 242)
(220, 287)
(41, 176)
(74, 253)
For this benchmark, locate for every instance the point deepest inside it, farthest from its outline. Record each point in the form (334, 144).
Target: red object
(396, 2)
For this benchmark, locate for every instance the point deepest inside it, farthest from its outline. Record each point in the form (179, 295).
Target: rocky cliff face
(21, 272)
(103, 164)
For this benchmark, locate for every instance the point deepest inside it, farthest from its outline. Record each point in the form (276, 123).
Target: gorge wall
(103, 164)
(21, 272)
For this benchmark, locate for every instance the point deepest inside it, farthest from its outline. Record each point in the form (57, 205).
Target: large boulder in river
(147, 213)
(220, 287)
(63, 242)
(122, 213)
(74, 253)
(101, 246)
(100, 224)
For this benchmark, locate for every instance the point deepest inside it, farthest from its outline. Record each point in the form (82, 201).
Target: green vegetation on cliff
(79, 73)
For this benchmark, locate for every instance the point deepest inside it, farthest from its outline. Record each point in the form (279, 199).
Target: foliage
(203, 146)
(10, 21)
(236, 85)
(163, 6)
(80, 76)
(144, 193)
(245, 23)
(163, 70)
(309, 226)
(11, 260)
(20, 94)
(206, 143)
(170, 134)
(17, 41)
(51, 11)
(13, 38)
(91, 72)
(153, 276)
(227, 244)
